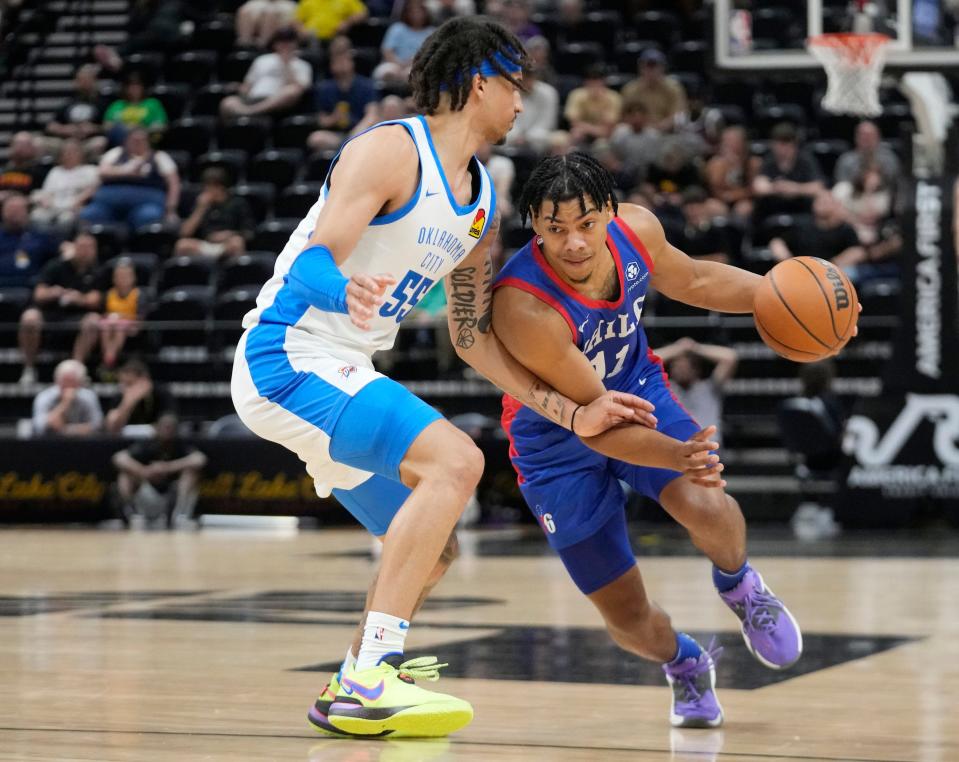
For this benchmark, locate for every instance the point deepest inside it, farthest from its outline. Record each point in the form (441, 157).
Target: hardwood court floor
(212, 645)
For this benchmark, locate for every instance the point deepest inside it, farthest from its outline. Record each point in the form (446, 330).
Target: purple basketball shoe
(771, 633)
(694, 691)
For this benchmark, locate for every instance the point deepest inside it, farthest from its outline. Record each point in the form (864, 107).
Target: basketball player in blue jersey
(405, 204)
(568, 306)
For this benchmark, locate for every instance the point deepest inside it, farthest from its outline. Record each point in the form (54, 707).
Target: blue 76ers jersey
(608, 333)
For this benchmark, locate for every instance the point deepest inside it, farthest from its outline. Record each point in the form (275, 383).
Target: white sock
(349, 662)
(384, 634)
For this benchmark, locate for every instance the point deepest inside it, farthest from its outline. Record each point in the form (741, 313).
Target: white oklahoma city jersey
(417, 244)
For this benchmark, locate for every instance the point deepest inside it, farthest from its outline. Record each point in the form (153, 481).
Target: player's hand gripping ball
(806, 309)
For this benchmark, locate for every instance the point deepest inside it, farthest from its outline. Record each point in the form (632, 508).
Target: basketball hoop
(853, 64)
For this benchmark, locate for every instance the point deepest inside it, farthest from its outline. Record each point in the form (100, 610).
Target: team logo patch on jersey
(632, 271)
(346, 370)
(479, 222)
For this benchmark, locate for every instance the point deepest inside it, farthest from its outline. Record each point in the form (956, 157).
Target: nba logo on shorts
(346, 370)
(379, 634)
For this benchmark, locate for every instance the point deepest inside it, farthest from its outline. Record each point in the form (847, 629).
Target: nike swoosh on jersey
(642, 382)
(404, 625)
(431, 193)
(370, 694)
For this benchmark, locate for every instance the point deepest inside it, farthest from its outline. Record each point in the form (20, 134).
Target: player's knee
(463, 467)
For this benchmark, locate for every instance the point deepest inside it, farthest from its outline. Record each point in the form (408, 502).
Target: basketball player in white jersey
(405, 204)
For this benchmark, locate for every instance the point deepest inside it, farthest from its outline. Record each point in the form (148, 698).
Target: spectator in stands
(868, 151)
(138, 185)
(701, 238)
(663, 96)
(68, 408)
(221, 223)
(258, 20)
(346, 103)
(671, 174)
(789, 178)
(634, 141)
(24, 248)
(390, 108)
(515, 16)
(538, 50)
(162, 472)
(570, 13)
(826, 235)
(402, 40)
(328, 18)
(81, 117)
(21, 173)
(539, 116)
(123, 308)
(867, 201)
(593, 109)
(134, 109)
(700, 394)
(141, 401)
(275, 82)
(69, 290)
(66, 188)
(731, 172)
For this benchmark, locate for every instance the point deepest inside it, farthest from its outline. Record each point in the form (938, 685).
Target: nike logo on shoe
(370, 694)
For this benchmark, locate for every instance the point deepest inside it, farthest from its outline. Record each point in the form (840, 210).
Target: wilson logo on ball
(838, 288)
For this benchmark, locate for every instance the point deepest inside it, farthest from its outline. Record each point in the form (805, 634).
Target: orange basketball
(805, 309)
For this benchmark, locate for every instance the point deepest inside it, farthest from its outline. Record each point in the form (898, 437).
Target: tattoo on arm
(471, 297)
(548, 400)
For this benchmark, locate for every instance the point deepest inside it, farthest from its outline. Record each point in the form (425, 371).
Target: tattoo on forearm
(485, 320)
(462, 305)
(549, 401)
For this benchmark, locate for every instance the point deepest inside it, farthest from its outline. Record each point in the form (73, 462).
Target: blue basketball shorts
(349, 424)
(577, 497)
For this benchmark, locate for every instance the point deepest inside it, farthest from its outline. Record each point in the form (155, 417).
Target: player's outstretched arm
(539, 338)
(710, 285)
(376, 173)
(469, 297)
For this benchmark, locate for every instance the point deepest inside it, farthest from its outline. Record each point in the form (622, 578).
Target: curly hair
(449, 57)
(563, 178)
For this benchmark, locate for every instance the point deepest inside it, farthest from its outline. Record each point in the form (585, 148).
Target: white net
(853, 64)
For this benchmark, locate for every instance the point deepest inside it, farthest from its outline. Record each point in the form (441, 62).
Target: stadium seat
(576, 57)
(692, 83)
(277, 166)
(739, 92)
(233, 67)
(185, 271)
(259, 197)
(191, 134)
(157, 238)
(188, 304)
(148, 64)
(626, 57)
(217, 35)
(206, 102)
(230, 307)
(296, 200)
(774, 226)
(895, 119)
(13, 301)
(835, 126)
(250, 270)
(827, 153)
(272, 235)
(601, 27)
(173, 96)
(248, 133)
(228, 427)
(293, 131)
(366, 59)
(111, 237)
(657, 25)
(688, 55)
(767, 117)
(231, 159)
(731, 112)
(194, 67)
(183, 162)
(369, 33)
(880, 296)
(318, 166)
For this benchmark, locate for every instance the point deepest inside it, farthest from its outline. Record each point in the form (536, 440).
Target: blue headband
(488, 69)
